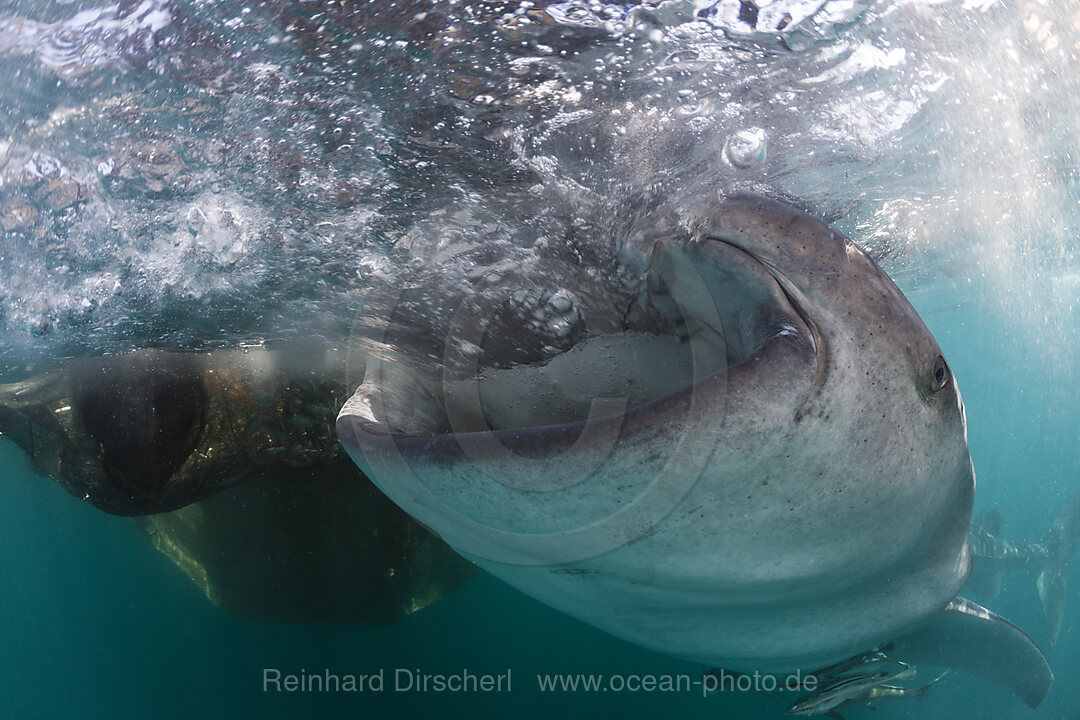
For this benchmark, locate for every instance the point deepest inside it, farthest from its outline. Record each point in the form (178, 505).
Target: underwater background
(196, 175)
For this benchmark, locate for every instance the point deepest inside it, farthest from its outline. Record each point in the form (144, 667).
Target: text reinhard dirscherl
(381, 680)
(467, 681)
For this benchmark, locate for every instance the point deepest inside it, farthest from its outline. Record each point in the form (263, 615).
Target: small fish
(828, 698)
(895, 692)
(842, 667)
(884, 692)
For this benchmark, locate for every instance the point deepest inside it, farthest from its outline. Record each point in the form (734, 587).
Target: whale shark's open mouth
(705, 308)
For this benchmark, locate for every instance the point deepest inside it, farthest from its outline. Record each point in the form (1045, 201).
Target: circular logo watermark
(461, 479)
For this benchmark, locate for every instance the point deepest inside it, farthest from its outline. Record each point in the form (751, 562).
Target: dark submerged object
(230, 463)
(147, 413)
(307, 545)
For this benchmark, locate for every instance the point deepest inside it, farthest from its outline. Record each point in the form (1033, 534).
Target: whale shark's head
(772, 448)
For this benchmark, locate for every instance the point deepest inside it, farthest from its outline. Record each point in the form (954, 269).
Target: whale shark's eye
(940, 376)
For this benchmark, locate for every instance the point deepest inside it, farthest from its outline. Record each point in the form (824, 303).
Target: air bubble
(745, 148)
(560, 302)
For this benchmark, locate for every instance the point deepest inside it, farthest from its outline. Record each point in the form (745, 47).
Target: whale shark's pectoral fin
(968, 637)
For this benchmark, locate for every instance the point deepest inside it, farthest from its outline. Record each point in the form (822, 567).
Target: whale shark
(778, 478)
(1047, 560)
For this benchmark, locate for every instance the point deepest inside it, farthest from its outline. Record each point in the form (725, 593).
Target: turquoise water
(237, 182)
